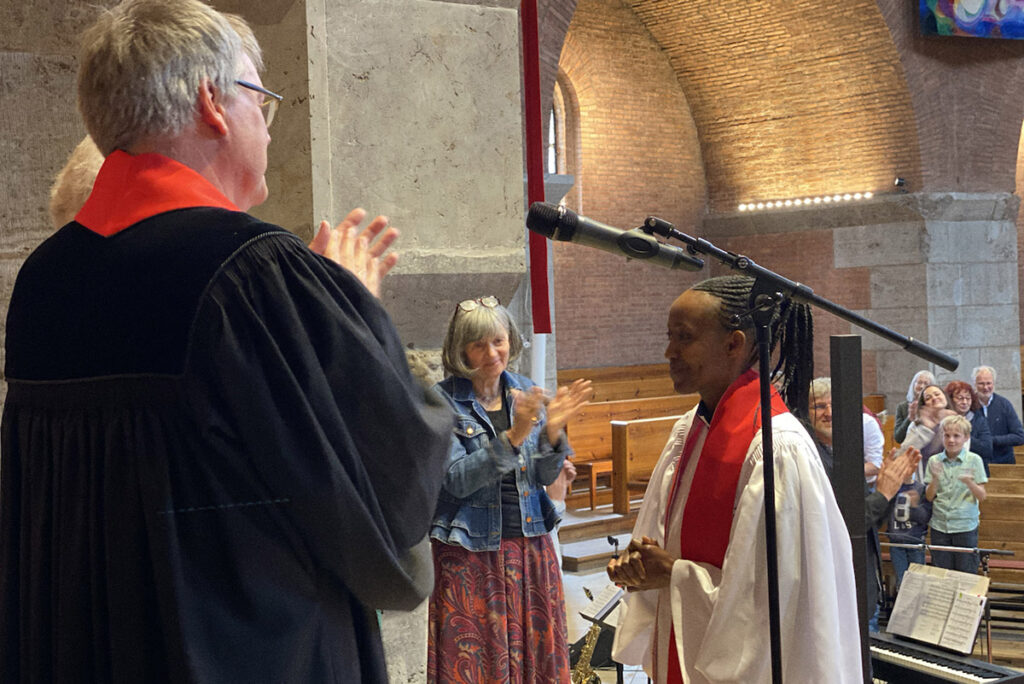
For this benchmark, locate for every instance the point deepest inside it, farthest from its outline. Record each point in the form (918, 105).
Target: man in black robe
(216, 463)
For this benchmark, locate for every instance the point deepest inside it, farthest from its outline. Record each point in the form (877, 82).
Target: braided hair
(791, 329)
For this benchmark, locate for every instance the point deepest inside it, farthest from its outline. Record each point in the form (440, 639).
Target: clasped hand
(361, 252)
(643, 565)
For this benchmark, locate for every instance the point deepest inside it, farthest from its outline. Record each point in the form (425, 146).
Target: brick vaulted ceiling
(789, 98)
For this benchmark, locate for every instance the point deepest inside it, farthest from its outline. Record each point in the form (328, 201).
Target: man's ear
(211, 107)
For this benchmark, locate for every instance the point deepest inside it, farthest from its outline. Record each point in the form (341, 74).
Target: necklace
(489, 400)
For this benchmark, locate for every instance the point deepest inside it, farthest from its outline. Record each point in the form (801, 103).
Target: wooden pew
(613, 383)
(590, 431)
(875, 402)
(636, 446)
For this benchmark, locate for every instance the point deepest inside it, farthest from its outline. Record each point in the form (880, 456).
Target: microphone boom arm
(797, 291)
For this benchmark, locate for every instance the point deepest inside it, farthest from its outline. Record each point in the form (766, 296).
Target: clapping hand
(526, 410)
(895, 470)
(566, 403)
(935, 467)
(966, 477)
(361, 252)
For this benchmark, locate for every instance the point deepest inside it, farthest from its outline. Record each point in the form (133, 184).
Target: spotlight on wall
(804, 201)
(900, 184)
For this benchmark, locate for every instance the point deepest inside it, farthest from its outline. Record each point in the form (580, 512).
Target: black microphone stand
(769, 290)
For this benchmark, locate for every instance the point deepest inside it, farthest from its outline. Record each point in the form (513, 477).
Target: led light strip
(804, 201)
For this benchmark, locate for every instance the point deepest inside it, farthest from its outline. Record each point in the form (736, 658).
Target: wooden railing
(636, 446)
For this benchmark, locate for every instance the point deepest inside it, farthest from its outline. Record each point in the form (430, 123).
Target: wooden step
(1000, 485)
(1007, 652)
(1003, 507)
(1007, 471)
(1002, 530)
(591, 554)
(586, 524)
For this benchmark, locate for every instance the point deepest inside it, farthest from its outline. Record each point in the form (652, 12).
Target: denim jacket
(469, 507)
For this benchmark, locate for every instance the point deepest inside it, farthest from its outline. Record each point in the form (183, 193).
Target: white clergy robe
(720, 616)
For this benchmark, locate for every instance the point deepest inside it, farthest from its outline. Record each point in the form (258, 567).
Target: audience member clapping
(964, 400)
(906, 411)
(923, 433)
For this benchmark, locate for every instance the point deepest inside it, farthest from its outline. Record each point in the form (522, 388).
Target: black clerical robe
(215, 462)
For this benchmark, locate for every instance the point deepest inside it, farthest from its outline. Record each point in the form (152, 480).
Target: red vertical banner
(540, 304)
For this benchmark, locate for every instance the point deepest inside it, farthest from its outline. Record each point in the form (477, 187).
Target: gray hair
(911, 394)
(469, 326)
(142, 62)
(74, 182)
(820, 387)
(974, 374)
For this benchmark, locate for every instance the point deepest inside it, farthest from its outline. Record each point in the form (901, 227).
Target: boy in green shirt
(955, 479)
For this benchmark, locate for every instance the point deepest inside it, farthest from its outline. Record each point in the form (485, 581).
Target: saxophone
(583, 673)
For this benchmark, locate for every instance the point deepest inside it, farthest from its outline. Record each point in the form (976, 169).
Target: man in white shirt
(821, 420)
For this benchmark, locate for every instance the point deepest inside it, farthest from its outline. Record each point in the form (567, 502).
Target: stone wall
(939, 267)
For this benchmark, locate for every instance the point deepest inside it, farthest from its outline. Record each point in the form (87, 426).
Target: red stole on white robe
(707, 516)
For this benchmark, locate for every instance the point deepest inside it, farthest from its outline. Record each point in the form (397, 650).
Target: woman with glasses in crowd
(964, 400)
(497, 613)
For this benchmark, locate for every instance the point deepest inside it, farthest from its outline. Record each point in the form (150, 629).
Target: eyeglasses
(270, 103)
(471, 304)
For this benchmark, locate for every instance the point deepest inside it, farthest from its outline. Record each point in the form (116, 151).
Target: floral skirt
(497, 616)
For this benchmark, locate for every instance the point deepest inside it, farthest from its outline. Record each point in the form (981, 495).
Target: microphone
(558, 223)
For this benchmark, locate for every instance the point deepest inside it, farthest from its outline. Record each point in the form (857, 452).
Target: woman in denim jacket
(497, 613)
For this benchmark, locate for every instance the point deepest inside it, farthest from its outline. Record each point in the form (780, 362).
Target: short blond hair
(957, 421)
(74, 182)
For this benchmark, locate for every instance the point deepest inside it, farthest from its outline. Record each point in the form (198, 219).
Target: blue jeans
(964, 562)
(902, 558)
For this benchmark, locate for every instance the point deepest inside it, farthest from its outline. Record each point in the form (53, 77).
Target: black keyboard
(904, 662)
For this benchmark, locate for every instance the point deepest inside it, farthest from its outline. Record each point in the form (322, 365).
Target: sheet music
(933, 602)
(964, 617)
(609, 594)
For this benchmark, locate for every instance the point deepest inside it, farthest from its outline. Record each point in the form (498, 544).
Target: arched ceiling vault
(790, 99)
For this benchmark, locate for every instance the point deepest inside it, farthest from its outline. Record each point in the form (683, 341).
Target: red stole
(707, 516)
(130, 188)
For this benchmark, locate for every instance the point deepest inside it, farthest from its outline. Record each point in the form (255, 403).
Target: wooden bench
(589, 471)
(613, 383)
(590, 432)
(875, 402)
(636, 447)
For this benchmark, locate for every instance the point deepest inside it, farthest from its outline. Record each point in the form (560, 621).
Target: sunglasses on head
(471, 304)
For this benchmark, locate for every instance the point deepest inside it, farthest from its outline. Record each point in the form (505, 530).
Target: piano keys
(905, 662)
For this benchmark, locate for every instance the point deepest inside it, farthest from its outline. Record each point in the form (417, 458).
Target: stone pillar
(944, 271)
(423, 123)
(415, 113)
